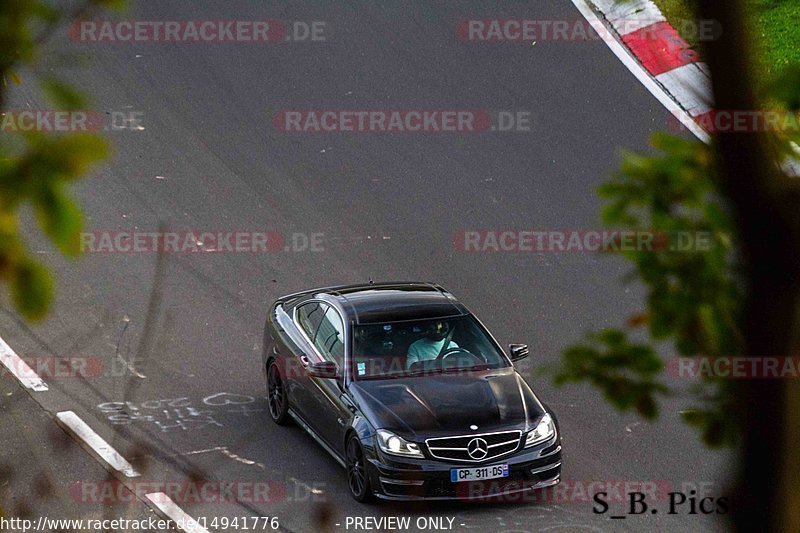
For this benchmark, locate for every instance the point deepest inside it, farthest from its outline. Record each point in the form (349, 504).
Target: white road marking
(238, 458)
(206, 450)
(175, 513)
(306, 486)
(690, 85)
(81, 430)
(641, 74)
(20, 368)
(227, 453)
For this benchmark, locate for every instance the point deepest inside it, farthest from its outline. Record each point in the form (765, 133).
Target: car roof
(374, 303)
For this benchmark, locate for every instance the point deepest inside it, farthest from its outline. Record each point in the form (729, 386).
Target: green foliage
(694, 297)
(38, 175)
(785, 88)
(775, 30)
(63, 95)
(36, 169)
(625, 372)
(31, 288)
(779, 33)
(714, 421)
(693, 294)
(783, 94)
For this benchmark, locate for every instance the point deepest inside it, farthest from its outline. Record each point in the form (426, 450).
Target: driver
(431, 345)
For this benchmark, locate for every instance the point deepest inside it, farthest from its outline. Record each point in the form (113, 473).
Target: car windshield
(423, 347)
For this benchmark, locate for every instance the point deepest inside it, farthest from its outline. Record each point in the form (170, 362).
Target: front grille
(458, 448)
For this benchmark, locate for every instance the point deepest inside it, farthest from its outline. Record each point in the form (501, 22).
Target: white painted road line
(20, 368)
(641, 74)
(81, 430)
(175, 513)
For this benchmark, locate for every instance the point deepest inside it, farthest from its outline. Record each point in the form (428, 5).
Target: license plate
(479, 473)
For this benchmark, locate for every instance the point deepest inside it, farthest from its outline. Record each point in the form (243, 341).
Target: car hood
(446, 404)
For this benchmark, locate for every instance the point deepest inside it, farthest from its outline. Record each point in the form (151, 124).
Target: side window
(330, 337)
(310, 315)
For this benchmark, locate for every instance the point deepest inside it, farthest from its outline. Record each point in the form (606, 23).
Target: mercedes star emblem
(477, 448)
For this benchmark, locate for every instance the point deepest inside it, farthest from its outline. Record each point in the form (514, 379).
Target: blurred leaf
(114, 5)
(785, 88)
(61, 220)
(693, 288)
(63, 95)
(626, 373)
(32, 290)
(45, 12)
(36, 167)
(80, 151)
(714, 423)
(63, 156)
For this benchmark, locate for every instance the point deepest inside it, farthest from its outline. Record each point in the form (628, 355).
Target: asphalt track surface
(387, 206)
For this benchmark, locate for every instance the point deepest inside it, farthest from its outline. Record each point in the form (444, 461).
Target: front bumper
(529, 469)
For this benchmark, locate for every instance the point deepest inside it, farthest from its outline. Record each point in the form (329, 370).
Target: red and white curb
(664, 57)
(88, 438)
(609, 19)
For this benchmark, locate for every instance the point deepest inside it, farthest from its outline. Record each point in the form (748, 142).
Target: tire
(357, 475)
(277, 399)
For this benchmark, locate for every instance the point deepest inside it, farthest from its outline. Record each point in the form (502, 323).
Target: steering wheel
(453, 351)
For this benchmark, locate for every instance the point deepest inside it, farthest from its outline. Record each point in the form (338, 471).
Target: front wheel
(276, 395)
(357, 477)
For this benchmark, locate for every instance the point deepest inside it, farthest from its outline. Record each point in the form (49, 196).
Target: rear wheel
(276, 395)
(357, 478)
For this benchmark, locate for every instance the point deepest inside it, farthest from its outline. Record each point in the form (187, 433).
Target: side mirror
(323, 369)
(518, 351)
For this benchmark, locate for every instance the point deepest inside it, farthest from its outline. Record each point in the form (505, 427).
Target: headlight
(543, 431)
(390, 443)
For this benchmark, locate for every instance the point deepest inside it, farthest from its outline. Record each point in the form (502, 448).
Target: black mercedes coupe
(408, 391)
